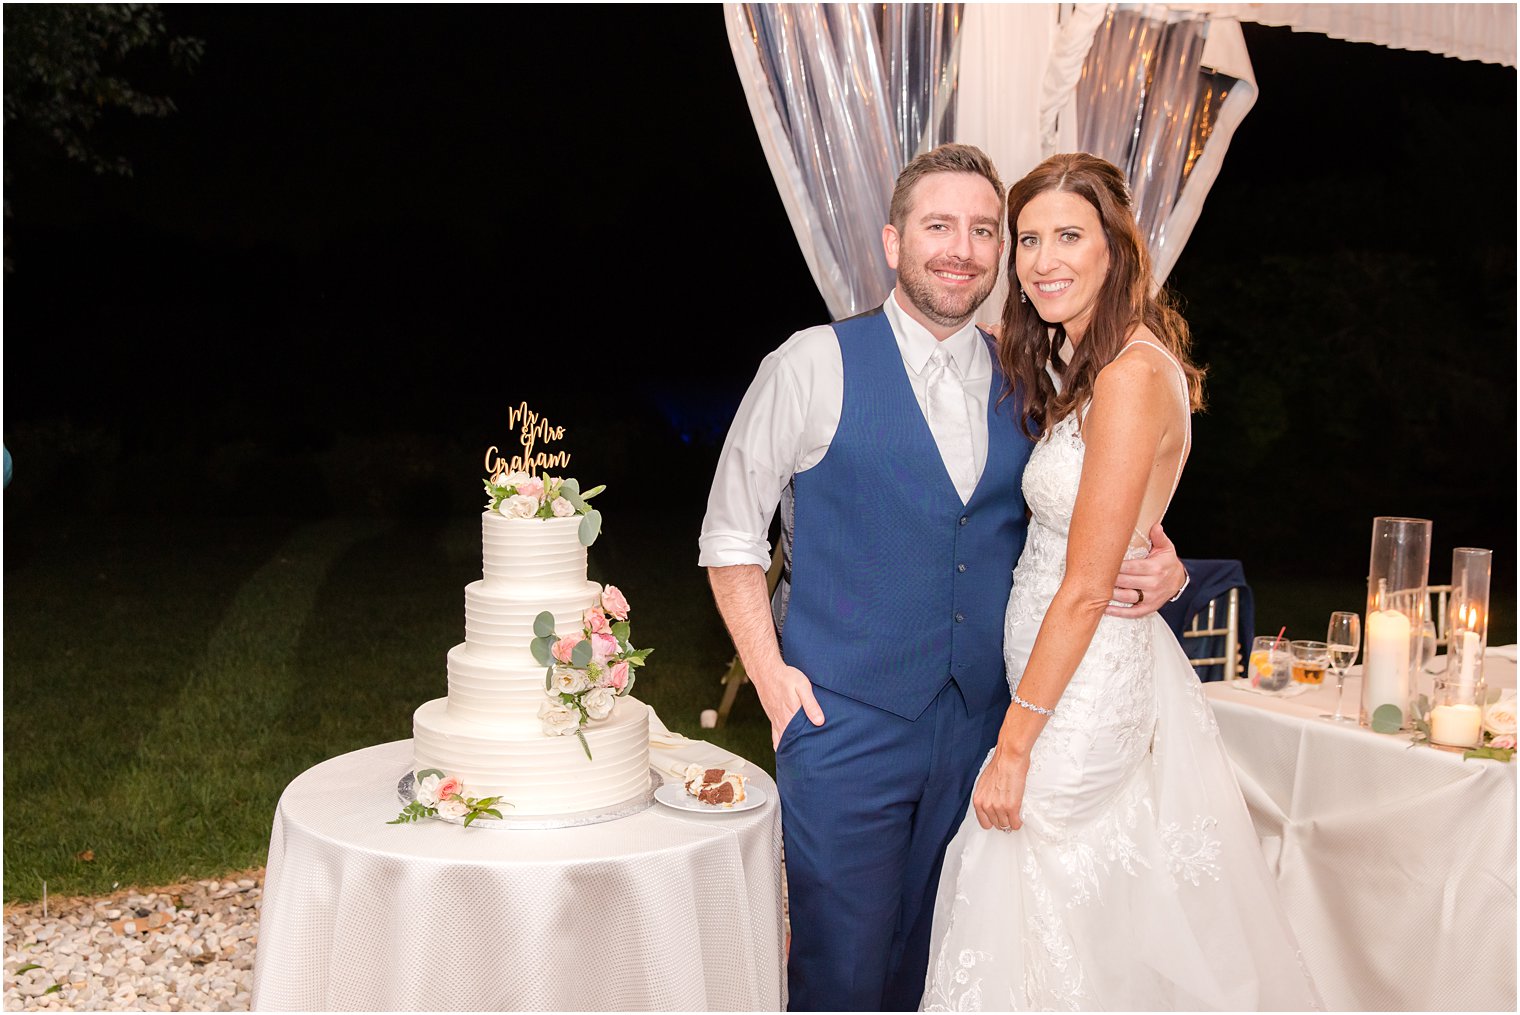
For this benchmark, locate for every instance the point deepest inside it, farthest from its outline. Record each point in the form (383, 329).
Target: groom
(897, 469)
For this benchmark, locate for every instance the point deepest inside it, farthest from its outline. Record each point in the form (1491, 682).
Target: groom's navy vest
(896, 586)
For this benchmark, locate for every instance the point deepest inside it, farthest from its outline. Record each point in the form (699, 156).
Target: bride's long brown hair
(1128, 298)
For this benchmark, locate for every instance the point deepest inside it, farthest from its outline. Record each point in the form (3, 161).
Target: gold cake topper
(531, 429)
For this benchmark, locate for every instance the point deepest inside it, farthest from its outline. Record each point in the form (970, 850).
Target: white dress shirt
(788, 419)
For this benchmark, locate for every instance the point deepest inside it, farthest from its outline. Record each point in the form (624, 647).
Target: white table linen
(662, 910)
(1396, 862)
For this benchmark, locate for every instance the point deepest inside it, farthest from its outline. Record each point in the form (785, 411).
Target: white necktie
(949, 421)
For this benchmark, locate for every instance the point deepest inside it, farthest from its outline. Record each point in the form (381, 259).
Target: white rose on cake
(513, 479)
(558, 718)
(599, 702)
(520, 506)
(568, 680)
(562, 508)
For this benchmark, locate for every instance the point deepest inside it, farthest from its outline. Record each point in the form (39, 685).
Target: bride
(1107, 860)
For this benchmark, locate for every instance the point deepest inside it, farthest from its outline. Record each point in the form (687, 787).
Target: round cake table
(662, 910)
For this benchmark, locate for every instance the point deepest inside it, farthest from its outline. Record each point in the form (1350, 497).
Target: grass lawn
(165, 679)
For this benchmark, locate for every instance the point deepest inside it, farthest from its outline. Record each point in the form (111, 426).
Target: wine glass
(1345, 640)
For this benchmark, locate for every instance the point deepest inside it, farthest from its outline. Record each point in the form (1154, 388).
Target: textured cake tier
(532, 555)
(500, 695)
(537, 774)
(498, 622)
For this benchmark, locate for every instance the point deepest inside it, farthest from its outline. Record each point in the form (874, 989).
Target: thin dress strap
(1187, 429)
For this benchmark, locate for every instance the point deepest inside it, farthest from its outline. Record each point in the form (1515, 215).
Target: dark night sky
(378, 220)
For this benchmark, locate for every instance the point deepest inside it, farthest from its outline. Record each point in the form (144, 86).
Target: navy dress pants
(869, 800)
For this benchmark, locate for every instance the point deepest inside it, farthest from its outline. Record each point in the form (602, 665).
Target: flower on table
(441, 794)
(1499, 717)
(1505, 742)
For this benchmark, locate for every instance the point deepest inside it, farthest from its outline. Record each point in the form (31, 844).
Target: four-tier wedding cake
(537, 711)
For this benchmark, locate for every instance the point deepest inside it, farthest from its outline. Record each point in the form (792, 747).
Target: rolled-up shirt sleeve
(776, 433)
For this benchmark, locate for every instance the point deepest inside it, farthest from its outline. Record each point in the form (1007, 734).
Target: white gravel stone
(97, 969)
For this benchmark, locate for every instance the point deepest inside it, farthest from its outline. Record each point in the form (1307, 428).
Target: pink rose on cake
(565, 647)
(616, 676)
(531, 487)
(603, 647)
(614, 602)
(596, 621)
(561, 507)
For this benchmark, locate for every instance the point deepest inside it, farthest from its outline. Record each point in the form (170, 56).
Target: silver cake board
(406, 789)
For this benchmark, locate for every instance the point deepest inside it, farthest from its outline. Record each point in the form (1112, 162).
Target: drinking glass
(1271, 665)
(1345, 642)
(1310, 660)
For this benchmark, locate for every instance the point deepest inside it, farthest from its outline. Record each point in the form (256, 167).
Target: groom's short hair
(947, 158)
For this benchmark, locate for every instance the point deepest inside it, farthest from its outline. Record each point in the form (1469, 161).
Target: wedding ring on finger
(1139, 596)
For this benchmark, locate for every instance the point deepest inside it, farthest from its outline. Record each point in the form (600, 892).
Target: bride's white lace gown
(1137, 881)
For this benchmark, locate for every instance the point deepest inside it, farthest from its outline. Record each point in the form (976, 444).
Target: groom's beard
(947, 308)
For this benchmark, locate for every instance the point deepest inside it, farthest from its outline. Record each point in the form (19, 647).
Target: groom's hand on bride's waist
(1146, 584)
(783, 692)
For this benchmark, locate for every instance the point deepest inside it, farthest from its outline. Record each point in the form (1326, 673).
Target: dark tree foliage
(66, 69)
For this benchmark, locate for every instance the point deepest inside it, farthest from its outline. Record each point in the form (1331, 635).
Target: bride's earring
(1023, 297)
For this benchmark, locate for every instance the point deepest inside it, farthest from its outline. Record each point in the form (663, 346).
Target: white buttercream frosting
(487, 731)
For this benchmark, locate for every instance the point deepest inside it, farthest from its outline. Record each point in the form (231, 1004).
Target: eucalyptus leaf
(591, 527)
(584, 746)
(1387, 719)
(549, 679)
(569, 486)
(580, 656)
(1422, 706)
(424, 773)
(593, 492)
(543, 625)
(621, 630)
(540, 648)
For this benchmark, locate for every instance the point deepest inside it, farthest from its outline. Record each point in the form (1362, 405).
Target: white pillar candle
(1467, 646)
(1385, 677)
(1456, 725)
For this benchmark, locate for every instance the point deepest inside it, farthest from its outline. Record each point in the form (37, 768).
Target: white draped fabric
(1396, 864)
(662, 910)
(1483, 32)
(842, 96)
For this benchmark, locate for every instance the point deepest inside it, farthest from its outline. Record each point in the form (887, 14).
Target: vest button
(964, 519)
(960, 567)
(959, 617)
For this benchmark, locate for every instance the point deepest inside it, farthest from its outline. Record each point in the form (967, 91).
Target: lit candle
(1467, 645)
(1385, 677)
(1456, 725)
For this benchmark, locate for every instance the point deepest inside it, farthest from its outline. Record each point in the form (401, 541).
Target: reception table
(1396, 861)
(661, 910)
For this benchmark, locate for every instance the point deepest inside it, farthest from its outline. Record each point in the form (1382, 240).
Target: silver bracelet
(1033, 708)
(1187, 580)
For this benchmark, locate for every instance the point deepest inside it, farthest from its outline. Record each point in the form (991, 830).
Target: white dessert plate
(673, 794)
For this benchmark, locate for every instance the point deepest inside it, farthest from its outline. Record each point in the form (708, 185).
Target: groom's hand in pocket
(782, 693)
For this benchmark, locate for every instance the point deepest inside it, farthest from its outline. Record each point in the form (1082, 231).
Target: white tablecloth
(663, 910)
(1396, 862)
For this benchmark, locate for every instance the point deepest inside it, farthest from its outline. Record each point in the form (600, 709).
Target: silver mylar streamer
(860, 90)
(1147, 105)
